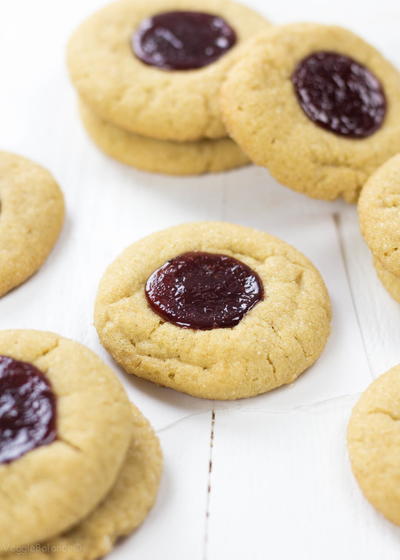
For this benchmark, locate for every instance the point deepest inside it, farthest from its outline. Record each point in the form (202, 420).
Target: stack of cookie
(148, 76)
(378, 210)
(80, 463)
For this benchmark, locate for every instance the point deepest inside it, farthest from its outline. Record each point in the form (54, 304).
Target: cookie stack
(80, 463)
(378, 210)
(148, 76)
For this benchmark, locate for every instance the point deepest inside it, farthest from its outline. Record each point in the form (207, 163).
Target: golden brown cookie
(32, 214)
(374, 444)
(168, 104)
(123, 509)
(163, 156)
(213, 309)
(316, 105)
(379, 215)
(66, 425)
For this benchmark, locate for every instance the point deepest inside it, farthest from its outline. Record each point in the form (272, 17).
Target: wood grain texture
(280, 485)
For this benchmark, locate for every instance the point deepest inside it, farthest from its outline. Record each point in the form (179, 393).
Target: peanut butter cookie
(374, 444)
(155, 67)
(316, 105)
(214, 310)
(32, 215)
(379, 214)
(80, 464)
(163, 156)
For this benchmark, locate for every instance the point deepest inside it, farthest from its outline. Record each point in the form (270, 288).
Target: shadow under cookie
(159, 156)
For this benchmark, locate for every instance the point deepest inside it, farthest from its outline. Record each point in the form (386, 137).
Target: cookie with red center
(213, 309)
(155, 67)
(69, 441)
(316, 105)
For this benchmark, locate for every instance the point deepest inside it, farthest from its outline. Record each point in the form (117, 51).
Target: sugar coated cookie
(316, 105)
(121, 511)
(214, 310)
(379, 214)
(32, 215)
(163, 156)
(155, 67)
(80, 465)
(374, 444)
(85, 409)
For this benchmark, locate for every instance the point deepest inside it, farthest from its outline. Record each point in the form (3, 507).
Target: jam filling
(204, 291)
(27, 409)
(182, 40)
(339, 94)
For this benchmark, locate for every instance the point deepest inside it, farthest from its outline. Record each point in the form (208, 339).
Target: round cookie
(316, 105)
(123, 509)
(374, 444)
(64, 479)
(379, 215)
(163, 156)
(32, 215)
(281, 333)
(180, 105)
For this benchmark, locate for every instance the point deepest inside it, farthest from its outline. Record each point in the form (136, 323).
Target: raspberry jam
(339, 94)
(204, 291)
(27, 409)
(182, 40)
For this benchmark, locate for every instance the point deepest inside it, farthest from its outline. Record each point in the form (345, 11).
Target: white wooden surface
(262, 478)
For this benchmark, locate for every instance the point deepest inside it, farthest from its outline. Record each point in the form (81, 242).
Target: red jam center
(339, 94)
(204, 291)
(182, 40)
(27, 409)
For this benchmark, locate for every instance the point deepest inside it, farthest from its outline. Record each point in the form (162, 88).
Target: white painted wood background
(279, 486)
